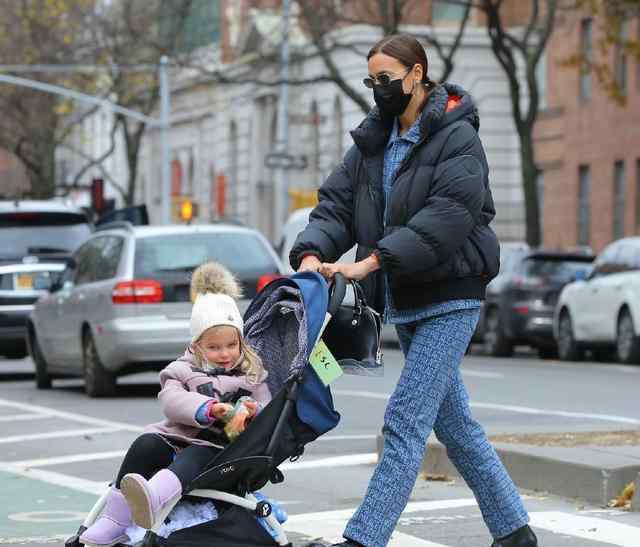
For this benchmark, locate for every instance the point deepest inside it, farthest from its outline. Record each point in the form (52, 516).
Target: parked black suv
(520, 310)
(36, 239)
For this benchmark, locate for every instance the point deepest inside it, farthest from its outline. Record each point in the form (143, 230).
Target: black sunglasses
(383, 80)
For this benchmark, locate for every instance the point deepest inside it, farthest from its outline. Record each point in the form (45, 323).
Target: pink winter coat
(185, 387)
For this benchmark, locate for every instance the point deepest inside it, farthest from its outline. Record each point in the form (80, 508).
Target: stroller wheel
(74, 541)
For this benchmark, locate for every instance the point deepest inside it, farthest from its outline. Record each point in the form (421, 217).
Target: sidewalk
(594, 467)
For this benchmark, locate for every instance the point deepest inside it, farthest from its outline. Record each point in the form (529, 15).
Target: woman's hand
(356, 270)
(310, 263)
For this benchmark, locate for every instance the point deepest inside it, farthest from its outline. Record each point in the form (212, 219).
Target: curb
(595, 484)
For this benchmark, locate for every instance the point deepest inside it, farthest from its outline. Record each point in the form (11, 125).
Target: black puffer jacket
(437, 244)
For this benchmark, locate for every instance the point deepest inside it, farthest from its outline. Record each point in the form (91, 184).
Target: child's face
(221, 346)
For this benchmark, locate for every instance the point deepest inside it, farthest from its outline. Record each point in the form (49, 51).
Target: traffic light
(186, 210)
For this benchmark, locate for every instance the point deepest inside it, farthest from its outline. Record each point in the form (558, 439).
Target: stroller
(283, 324)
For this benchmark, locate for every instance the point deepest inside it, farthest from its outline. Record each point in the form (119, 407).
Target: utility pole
(281, 179)
(165, 145)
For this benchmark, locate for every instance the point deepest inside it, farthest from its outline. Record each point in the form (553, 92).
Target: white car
(602, 311)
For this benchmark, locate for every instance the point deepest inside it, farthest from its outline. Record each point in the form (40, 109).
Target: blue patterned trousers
(430, 395)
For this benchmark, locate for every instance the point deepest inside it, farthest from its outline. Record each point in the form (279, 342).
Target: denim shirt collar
(413, 135)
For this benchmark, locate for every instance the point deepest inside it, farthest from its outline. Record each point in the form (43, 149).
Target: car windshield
(243, 253)
(510, 258)
(27, 233)
(561, 271)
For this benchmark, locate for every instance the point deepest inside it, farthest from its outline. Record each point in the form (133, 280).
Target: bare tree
(321, 18)
(35, 32)
(518, 50)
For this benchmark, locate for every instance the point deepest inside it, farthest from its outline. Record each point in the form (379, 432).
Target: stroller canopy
(282, 325)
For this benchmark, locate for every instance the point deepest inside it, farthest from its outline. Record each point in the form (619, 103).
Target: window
(586, 49)
(584, 205)
(110, 259)
(540, 186)
(445, 11)
(618, 200)
(88, 260)
(620, 64)
(200, 28)
(314, 164)
(338, 129)
(234, 182)
(541, 78)
(606, 261)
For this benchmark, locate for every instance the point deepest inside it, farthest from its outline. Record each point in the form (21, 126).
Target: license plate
(24, 282)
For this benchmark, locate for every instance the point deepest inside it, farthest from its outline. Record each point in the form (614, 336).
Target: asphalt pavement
(58, 450)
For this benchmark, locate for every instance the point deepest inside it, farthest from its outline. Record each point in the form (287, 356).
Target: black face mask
(391, 99)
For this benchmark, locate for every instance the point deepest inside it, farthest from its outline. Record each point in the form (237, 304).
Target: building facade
(222, 132)
(587, 145)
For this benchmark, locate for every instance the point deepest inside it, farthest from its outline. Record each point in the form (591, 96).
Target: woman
(413, 193)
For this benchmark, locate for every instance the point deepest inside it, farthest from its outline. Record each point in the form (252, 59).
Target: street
(60, 449)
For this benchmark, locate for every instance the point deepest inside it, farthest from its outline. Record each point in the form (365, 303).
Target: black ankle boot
(522, 537)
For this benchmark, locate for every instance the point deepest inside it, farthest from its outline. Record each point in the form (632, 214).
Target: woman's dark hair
(406, 49)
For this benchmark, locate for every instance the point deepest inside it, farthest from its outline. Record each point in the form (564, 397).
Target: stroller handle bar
(337, 290)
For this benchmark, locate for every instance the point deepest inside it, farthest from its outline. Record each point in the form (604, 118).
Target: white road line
(22, 417)
(31, 540)
(57, 434)
(62, 460)
(482, 374)
(338, 461)
(27, 407)
(346, 438)
(564, 414)
(508, 408)
(59, 479)
(329, 525)
(595, 529)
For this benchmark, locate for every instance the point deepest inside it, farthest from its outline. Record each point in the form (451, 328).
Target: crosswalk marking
(80, 418)
(22, 417)
(596, 529)
(57, 434)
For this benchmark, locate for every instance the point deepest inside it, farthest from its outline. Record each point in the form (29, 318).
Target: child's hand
(252, 407)
(218, 410)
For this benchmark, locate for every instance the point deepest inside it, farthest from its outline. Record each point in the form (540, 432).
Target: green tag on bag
(325, 364)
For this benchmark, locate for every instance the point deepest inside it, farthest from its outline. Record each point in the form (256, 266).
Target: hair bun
(213, 277)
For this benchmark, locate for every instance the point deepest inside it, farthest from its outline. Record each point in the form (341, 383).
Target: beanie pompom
(213, 277)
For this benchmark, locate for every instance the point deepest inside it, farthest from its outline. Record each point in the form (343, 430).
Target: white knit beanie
(214, 310)
(214, 291)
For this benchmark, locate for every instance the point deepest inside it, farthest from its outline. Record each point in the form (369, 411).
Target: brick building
(587, 145)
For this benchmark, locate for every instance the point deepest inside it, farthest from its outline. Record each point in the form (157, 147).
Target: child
(198, 391)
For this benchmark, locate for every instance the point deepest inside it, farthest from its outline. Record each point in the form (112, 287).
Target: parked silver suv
(123, 303)
(35, 239)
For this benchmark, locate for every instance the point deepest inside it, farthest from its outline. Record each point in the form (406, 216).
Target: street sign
(278, 160)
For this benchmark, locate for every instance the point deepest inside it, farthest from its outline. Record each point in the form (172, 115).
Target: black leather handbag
(354, 336)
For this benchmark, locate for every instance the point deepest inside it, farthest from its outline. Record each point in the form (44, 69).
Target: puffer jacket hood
(372, 135)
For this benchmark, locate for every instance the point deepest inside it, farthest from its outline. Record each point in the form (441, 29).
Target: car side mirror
(582, 275)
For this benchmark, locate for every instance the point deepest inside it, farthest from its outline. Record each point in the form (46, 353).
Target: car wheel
(43, 380)
(496, 343)
(627, 343)
(547, 352)
(568, 348)
(98, 382)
